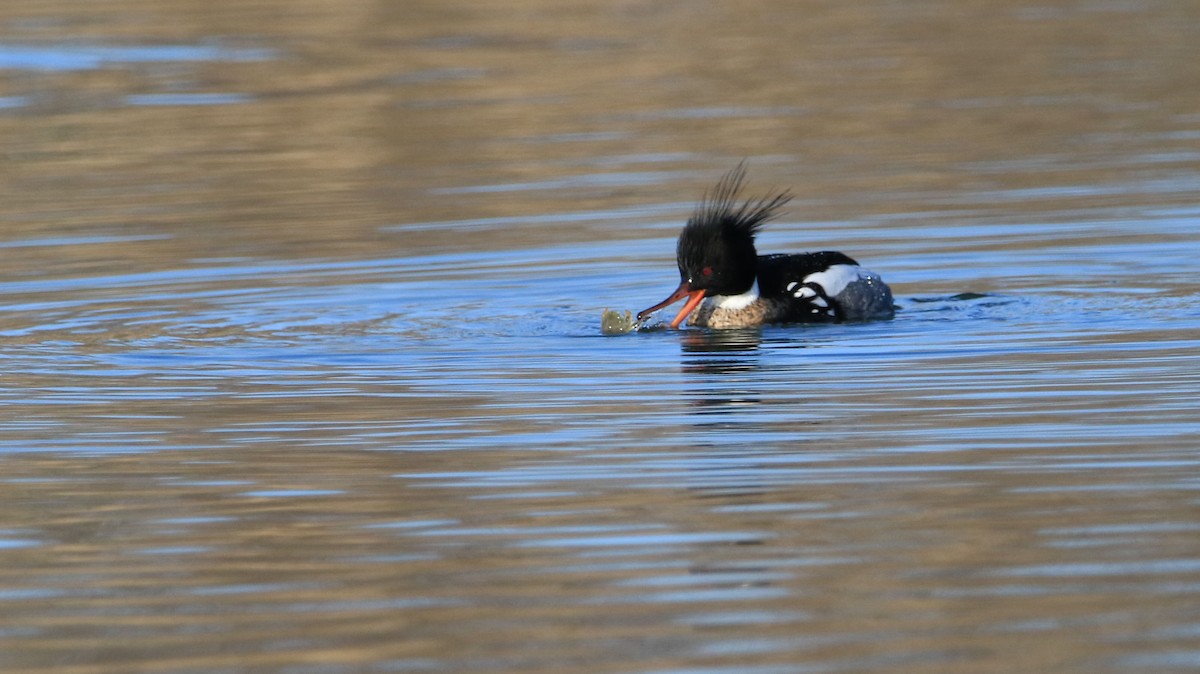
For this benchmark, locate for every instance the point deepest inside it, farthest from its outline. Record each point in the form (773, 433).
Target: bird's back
(821, 287)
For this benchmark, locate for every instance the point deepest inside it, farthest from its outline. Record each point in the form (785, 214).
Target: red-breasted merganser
(729, 285)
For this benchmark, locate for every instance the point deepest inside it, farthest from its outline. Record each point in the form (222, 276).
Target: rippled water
(302, 368)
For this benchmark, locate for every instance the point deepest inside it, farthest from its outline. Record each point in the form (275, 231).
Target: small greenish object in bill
(617, 323)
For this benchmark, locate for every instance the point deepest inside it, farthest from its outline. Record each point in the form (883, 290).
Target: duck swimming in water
(729, 285)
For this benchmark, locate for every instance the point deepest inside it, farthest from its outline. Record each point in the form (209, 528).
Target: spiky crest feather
(719, 213)
(715, 251)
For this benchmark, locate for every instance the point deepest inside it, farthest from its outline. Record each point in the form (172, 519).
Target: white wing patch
(818, 291)
(834, 279)
(803, 292)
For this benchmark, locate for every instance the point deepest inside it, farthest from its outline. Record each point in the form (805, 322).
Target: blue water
(68, 57)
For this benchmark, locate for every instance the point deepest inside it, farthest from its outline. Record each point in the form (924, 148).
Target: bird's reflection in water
(723, 383)
(722, 366)
(743, 341)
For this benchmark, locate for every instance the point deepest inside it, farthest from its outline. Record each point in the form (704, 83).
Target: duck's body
(801, 288)
(728, 285)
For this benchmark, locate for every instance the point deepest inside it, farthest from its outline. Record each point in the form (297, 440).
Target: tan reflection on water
(369, 108)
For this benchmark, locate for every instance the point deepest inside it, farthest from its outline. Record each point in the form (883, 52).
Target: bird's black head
(716, 250)
(715, 253)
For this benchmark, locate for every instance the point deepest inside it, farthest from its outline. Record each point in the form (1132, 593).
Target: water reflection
(720, 371)
(718, 352)
(68, 57)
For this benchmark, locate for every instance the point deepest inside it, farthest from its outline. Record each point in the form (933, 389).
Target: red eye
(707, 271)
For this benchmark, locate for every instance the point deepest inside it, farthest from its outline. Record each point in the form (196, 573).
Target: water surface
(302, 370)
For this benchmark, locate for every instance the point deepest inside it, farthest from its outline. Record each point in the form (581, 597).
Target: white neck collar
(736, 302)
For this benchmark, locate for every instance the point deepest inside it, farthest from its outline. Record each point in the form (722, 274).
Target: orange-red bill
(694, 299)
